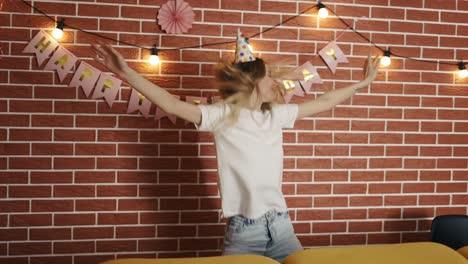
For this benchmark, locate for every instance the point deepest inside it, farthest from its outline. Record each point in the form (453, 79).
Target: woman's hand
(107, 56)
(371, 68)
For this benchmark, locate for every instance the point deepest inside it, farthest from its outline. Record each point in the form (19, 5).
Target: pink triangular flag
(332, 55)
(62, 61)
(310, 75)
(107, 86)
(85, 77)
(139, 102)
(42, 45)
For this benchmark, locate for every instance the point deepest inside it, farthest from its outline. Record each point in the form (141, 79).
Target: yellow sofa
(234, 259)
(463, 251)
(405, 253)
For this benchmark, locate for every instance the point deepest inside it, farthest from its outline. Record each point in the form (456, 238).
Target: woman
(247, 128)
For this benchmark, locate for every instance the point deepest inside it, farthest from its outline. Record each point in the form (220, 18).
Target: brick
(158, 245)
(14, 120)
(28, 77)
(14, 149)
(51, 177)
(52, 149)
(31, 220)
(280, 7)
(50, 233)
(47, 92)
(30, 248)
(74, 107)
(116, 191)
(51, 205)
(51, 121)
(93, 232)
(95, 149)
(74, 191)
(13, 234)
(29, 191)
(116, 163)
(138, 204)
(30, 163)
(439, 4)
(74, 163)
(95, 205)
(313, 214)
(117, 218)
(116, 246)
(74, 247)
(75, 219)
(14, 206)
(126, 11)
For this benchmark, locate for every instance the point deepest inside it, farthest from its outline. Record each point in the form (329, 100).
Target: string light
(323, 12)
(58, 31)
(154, 58)
(463, 73)
(385, 61)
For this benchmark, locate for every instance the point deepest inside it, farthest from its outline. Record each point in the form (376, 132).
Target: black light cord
(388, 50)
(255, 35)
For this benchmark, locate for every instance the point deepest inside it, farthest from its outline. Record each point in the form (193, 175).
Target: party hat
(243, 52)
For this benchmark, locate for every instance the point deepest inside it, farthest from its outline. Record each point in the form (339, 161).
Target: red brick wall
(82, 183)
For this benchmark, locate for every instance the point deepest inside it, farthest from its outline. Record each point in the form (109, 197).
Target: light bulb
(385, 61)
(154, 58)
(323, 12)
(463, 73)
(58, 31)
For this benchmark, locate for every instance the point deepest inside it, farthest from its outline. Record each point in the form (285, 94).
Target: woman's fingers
(99, 60)
(99, 50)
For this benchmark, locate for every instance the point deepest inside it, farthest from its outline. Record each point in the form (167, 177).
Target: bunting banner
(97, 84)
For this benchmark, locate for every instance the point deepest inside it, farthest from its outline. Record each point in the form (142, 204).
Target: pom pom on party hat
(243, 52)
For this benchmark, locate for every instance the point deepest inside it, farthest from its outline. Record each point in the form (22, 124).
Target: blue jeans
(271, 235)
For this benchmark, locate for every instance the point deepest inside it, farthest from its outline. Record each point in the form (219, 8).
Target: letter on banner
(107, 86)
(139, 102)
(86, 77)
(160, 113)
(195, 100)
(332, 55)
(43, 45)
(62, 61)
(290, 87)
(310, 75)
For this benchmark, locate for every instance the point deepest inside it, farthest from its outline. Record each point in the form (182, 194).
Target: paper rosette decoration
(175, 17)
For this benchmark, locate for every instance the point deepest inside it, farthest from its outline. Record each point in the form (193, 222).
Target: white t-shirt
(249, 157)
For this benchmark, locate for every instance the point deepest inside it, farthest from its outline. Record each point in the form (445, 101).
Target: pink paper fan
(176, 16)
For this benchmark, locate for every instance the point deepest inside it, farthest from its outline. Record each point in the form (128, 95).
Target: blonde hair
(236, 83)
